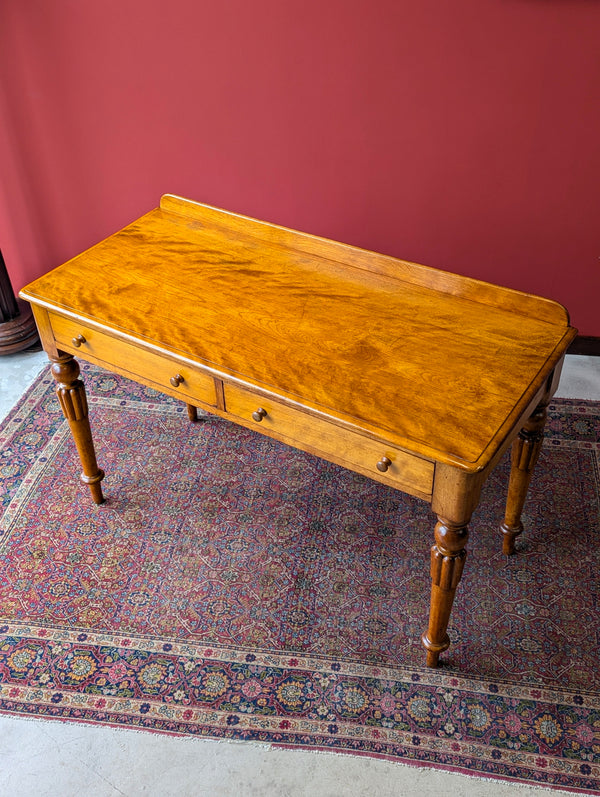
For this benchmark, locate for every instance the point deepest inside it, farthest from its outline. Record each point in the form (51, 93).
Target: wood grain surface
(438, 364)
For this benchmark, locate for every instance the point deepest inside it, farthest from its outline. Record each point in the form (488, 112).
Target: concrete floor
(55, 759)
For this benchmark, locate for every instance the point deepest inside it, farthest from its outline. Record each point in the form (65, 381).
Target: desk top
(439, 364)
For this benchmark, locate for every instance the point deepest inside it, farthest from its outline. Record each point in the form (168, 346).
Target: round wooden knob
(259, 414)
(176, 380)
(78, 340)
(383, 464)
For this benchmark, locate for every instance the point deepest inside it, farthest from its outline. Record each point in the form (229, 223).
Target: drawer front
(131, 360)
(350, 449)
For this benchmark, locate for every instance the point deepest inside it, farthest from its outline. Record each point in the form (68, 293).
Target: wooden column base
(19, 333)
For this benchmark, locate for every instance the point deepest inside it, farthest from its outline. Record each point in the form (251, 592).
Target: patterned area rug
(233, 587)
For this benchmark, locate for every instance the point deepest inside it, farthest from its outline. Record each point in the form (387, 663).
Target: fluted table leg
(455, 497)
(71, 395)
(447, 561)
(525, 452)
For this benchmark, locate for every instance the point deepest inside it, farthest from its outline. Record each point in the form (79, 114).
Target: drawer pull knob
(78, 340)
(176, 380)
(259, 414)
(383, 464)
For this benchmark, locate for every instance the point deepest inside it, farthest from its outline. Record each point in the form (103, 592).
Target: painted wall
(462, 134)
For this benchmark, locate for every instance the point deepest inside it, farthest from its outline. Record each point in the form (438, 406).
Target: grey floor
(53, 759)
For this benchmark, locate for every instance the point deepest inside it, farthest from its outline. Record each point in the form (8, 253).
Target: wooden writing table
(414, 377)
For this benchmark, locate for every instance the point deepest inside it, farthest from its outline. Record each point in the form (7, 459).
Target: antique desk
(414, 377)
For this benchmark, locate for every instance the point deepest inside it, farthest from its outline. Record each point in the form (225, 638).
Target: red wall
(464, 134)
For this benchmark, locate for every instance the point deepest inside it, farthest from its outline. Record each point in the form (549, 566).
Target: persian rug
(232, 587)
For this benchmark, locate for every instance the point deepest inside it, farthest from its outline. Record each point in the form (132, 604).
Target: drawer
(130, 360)
(319, 436)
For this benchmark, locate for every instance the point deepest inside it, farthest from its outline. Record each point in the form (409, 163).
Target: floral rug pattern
(233, 587)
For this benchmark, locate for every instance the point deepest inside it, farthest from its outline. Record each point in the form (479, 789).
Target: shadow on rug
(233, 587)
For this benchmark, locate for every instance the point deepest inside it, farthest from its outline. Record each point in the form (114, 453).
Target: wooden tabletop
(436, 363)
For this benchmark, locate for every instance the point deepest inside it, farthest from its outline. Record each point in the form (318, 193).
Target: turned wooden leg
(525, 452)
(71, 394)
(447, 561)
(192, 412)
